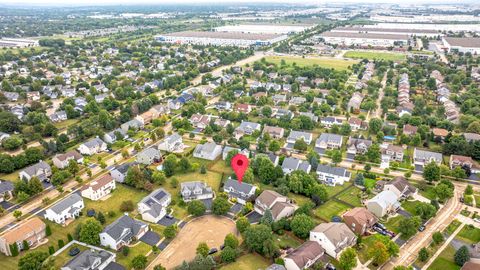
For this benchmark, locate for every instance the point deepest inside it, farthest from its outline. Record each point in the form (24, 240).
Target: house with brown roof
(334, 237)
(400, 186)
(464, 161)
(32, 231)
(440, 133)
(61, 160)
(409, 130)
(98, 188)
(304, 256)
(357, 124)
(244, 108)
(393, 152)
(359, 220)
(279, 205)
(274, 132)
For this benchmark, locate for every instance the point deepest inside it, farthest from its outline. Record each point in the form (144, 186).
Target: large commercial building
(464, 45)
(221, 38)
(264, 28)
(364, 39)
(387, 31)
(17, 43)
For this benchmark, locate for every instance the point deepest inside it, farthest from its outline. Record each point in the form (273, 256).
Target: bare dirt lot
(209, 229)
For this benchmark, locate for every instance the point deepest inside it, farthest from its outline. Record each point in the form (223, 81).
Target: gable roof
(64, 204)
(117, 228)
(87, 258)
(385, 198)
(361, 215)
(333, 170)
(306, 252)
(239, 187)
(334, 231)
(33, 225)
(98, 183)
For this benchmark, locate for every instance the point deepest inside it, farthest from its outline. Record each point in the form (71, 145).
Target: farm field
(375, 55)
(325, 62)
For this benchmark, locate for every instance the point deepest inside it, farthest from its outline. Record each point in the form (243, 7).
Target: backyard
(247, 262)
(330, 209)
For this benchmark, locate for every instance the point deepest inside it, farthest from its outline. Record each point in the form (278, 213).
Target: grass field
(66, 123)
(139, 249)
(325, 62)
(332, 190)
(445, 260)
(469, 234)
(351, 196)
(410, 206)
(287, 240)
(367, 242)
(392, 223)
(331, 209)
(62, 258)
(247, 262)
(375, 55)
(369, 183)
(452, 226)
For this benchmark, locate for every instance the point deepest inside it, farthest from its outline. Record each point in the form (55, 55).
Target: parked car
(212, 251)
(74, 251)
(476, 220)
(330, 266)
(169, 216)
(421, 228)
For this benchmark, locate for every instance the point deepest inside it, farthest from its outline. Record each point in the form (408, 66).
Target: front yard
(445, 260)
(469, 234)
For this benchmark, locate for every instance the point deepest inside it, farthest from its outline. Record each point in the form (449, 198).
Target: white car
(476, 220)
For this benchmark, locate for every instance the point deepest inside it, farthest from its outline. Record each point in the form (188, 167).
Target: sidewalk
(450, 238)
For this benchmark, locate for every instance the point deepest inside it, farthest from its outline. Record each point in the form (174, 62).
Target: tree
(169, 165)
(220, 206)
(348, 259)
(431, 172)
(90, 231)
(274, 146)
(367, 167)
(202, 249)
(127, 206)
(73, 167)
(170, 231)
(101, 218)
(17, 214)
(242, 224)
(462, 256)
(336, 156)
(425, 210)
(302, 225)
(184, 164)
(25, 245)
(32, 260)
(423, 254)
(469, 190)
(159, 267)
(159, 177)
(14, 249)
(256, 235)
(359, 179)
(231, 241)
(444, 191)
(437, 238)
(408, 226)
(125, 251)
(375, 125)
(48, 230)
(139, 262)
(196, 208)
(267, 218)
(378, 253)
(300, 145)
(228, 254)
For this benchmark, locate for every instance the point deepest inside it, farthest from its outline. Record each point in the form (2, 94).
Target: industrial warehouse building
(221, 38)
(388, 31)
(463, 45)
(364, 39)
(264, 28)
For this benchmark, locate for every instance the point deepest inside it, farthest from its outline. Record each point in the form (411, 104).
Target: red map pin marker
(239, 165)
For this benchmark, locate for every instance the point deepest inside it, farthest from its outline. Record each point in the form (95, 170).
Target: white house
(334, 237)
(68, 208)
(122, 231)
(92, 147)
(172, 143)
(149, 156)
(291, 164)
(298, 135)
(195, 190)
(332, 176)
(328, 141)
(115, 135)
(98, 188)
(304, 256)
(383, 203)
(154, 206)
(209, 151)
(242, 192)
(41, 170)
(61, 160)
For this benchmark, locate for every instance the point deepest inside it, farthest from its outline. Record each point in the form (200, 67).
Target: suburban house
(41, 170)
(227, 149)
(243, 108)
(32, 231)
(68, 208)
(330, 121)
(385, 202)
(409, 130)
(149, 156)
(357, 124)
(279, 205)
(357, 146)
(304, 256)
(115, 135)
(134, 124)
(242, 192)
(464, 162)
(120, 172)
(471, 137)
(440, 133)
(200, 121)
(274, 132)
(298, 135)
(6, 189)
(223, 105)
(154, 206)
(61, 160)
(172, 143)
(423, 157)
(93, 146)
(91, 259)
(195, 190)
(122, 231)
(334, 237)
(392, 152)
(208, 150)
(99, 188)
(291, 164)
(332, 176)
(310, 115)
(359, 220)
(246, 128)
(400, 186)
(328, 141)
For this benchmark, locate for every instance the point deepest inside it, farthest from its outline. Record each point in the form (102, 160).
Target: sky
(130, 2)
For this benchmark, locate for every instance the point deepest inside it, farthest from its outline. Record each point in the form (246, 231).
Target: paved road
(378, 111)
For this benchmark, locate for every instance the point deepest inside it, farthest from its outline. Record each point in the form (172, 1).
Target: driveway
(150, 238)
(208, 203)
(404, 213)
(254, 217)
(165, 221)
(236, 208)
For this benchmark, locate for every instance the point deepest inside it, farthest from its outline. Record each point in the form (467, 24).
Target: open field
(209, 229)
(375, 55)
(325, 62)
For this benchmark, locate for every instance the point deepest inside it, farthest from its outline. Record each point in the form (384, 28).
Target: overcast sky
(127, 2)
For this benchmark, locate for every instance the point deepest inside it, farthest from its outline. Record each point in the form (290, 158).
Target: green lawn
(139, 249)
(331, 209)
(392, 223)
(452, 226)
(66, 123)
(410, 206)
(477, 200)
(369, 183)
(445, 260)
(247, 262)
(62, 258)
(332, 190)
(367, 242)
(428, 193)
(351, 196)
(325, 62)
(375, 55)
(469, 234)
(287, 240)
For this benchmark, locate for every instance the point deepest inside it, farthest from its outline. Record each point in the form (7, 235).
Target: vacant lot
(375, 55)
(209, 229)
(325, 62)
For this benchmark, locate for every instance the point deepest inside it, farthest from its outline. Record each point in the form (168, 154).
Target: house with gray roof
(357, 146)
(332, 176)
(154, 207)
(6, 188)
(119, 172)
(241, 191)
(90, 259)
(134, 124)
(61, 160)
(334, 237)
(298, 135)
(66, 209)
(328, 141)
(246, 128)
(58, 116)
(149, 156)
(93, 146)
(122, 232)
(291, 164)
(41, 170)
(330, 121)
(304, 256)
(172, 143)
(115, 135)
(385, 202)
(209, 151)
(424, 157)
(195, 190)
(227, 149)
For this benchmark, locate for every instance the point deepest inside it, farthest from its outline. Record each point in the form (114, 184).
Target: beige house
(279, 205)
(98, 188)
(32, 231)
